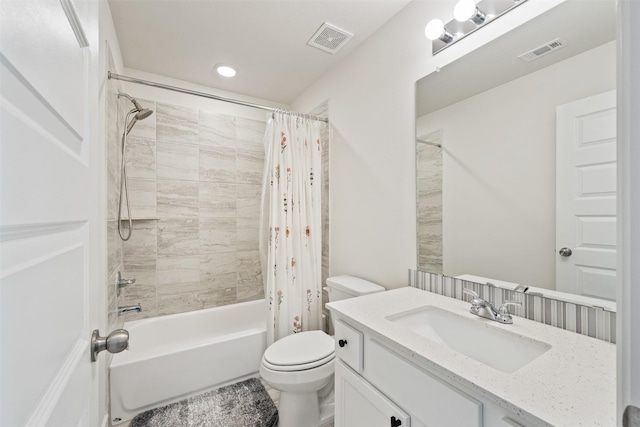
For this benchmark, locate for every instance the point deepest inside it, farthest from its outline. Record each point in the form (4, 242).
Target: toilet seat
(302, 367)
(301, 351)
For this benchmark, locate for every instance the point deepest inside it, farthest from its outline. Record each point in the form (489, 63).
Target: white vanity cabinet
(376, 386)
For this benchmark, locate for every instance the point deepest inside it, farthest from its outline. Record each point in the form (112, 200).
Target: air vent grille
(543, 50)
(329, 38)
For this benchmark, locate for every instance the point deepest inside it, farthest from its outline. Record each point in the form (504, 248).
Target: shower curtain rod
(206, 95)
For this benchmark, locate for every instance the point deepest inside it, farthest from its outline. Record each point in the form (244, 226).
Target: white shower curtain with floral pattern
(291, 234)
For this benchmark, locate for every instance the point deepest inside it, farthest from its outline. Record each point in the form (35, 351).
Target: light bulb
(434, 29)
(225, 70)
(464, 10)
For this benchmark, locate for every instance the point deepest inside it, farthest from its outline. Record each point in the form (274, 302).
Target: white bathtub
(181, 355)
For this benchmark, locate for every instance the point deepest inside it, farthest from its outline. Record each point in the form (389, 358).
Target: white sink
(475, 338)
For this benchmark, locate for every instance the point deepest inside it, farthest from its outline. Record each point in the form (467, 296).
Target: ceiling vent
(329, 38)
(543, 50)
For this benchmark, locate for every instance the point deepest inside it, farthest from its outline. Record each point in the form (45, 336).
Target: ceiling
(583, 25)
(265, 40)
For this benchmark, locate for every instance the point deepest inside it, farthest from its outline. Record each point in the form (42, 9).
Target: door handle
(115, 342)
(565, 252)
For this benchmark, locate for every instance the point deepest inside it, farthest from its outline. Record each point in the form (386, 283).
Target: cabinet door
(359, 404)
(428, 399)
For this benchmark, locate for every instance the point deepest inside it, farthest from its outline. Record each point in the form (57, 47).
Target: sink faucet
(485, 309)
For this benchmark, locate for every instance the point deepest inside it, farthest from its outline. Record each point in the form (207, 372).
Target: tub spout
(129, 309)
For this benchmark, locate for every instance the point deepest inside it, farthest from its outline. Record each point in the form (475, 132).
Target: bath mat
(243, 404)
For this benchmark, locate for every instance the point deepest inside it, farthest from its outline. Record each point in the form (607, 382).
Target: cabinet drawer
(358, 404)
(349, 345)
(427, 398)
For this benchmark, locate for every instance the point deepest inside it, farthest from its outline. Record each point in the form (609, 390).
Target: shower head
(143, 114)
(140, 115)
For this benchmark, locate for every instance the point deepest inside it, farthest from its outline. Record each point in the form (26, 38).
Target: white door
(586, 196)
(49, 234)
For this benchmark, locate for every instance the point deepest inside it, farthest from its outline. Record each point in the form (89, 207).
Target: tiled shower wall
(429, 202)
(195, 181)
(592, 321)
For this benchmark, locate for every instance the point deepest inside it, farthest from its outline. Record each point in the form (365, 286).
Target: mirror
(515, 156)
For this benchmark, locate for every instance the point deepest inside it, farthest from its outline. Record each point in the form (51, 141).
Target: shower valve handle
(121, 283)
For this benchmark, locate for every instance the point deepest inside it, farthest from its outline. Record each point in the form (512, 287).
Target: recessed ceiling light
(225, 70)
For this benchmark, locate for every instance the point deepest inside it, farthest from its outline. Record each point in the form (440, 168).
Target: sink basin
(475, 338)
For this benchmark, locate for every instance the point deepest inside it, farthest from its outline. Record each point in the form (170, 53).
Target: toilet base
(299, 410)
(305, 409)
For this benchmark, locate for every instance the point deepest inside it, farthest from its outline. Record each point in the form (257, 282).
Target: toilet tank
(342, 287)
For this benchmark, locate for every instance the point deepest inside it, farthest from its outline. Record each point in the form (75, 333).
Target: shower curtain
(291, 230)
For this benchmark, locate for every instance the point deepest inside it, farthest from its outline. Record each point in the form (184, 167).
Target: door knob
(565, 252)
(115, 342)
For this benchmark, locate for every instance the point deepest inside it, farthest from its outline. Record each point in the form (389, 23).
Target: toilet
(301, 365)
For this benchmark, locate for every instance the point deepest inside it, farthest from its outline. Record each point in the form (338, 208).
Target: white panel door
(48, 212)
(586, 196)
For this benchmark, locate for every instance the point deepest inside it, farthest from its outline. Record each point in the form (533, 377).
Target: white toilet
(301, 365)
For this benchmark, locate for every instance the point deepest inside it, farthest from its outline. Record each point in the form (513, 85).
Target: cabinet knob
(395, 422)
(342, 343)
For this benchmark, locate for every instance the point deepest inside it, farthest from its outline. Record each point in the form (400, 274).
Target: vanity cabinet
(375, 386)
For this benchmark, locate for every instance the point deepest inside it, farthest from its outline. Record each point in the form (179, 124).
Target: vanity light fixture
(225, 70)
(466, 10)
(469, 17)
(435, 30)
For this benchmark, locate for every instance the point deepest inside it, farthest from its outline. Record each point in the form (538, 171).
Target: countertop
(572, 384)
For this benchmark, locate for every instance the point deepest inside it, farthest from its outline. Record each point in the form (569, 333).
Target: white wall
(499, 169)
(372, 96)
(628, 326)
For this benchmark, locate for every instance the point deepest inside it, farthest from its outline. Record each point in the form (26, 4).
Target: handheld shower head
(141, 113)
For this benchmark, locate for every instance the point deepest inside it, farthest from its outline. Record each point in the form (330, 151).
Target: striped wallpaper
(592, 321)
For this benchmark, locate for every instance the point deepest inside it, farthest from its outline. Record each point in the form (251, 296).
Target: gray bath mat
(243, 404)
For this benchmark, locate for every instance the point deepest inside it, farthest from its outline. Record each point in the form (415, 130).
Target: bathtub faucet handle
(121, 283)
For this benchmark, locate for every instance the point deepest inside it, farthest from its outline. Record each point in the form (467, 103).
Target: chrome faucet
(129, 309)
(121, 283)
(485, 309)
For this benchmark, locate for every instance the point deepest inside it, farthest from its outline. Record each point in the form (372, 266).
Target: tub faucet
(521, 288)
(485, 309)
(129, 309)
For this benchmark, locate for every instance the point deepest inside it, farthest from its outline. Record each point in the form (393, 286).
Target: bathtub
(173, 357)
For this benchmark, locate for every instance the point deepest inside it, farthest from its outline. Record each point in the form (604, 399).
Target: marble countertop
(572, 384)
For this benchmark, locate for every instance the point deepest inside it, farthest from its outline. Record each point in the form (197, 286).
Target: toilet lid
(303, 348)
